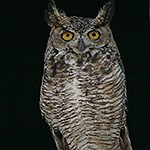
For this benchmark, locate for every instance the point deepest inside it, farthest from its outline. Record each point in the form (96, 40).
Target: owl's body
(83, 90)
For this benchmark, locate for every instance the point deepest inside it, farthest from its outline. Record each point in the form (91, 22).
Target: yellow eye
(94, 35)
(67, 36)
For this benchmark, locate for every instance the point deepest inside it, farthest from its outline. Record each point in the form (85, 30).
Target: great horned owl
(83, 91)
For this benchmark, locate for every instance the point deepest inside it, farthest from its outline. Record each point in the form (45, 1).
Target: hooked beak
(81, 45)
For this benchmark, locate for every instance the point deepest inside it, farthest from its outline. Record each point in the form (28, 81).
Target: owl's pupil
(67, 35)
(93, 34)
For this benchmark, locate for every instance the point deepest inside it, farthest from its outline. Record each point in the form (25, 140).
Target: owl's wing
(125, 143)
(47, 112)
(59, 140)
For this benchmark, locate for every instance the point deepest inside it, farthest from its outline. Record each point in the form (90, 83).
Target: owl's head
(78, 33)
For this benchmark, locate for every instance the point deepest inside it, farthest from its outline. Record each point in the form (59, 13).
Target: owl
(83, 92)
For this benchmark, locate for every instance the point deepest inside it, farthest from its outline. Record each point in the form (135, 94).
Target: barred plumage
(83, 90)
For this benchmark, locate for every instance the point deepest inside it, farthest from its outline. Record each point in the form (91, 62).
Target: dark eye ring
(94, 35)
(67, 35)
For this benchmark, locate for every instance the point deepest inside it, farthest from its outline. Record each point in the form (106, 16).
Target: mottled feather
(83, 92)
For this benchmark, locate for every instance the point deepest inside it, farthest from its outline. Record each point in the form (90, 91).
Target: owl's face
(78, 42)
(79, 34)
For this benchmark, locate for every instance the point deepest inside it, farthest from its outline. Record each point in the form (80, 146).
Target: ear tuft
(105, 14)
(52, 16)
(51, 5)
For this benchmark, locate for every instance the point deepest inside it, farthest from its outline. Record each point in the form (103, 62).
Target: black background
(23, 39)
